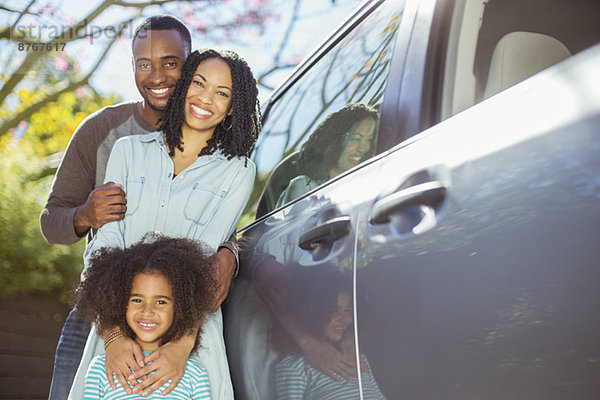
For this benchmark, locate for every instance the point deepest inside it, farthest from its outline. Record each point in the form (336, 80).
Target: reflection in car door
(302, 252)
(477, 252)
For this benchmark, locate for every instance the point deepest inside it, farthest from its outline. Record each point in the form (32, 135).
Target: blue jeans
(68, 354)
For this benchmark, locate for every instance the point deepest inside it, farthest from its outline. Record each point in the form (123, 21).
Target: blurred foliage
(49, 130)
(29, 265)
(28, 159)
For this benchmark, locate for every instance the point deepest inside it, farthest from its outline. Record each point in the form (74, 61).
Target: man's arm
(74, 206)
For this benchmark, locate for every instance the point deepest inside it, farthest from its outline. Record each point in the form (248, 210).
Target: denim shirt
(204, 202)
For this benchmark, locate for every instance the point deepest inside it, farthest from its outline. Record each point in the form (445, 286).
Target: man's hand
(224, 268)
(169, 362)
(123, 356)
(327, 359)
(104, 204)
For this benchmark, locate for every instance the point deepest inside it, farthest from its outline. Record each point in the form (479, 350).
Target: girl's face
(209, 97)
(340, 319)
(358, 144)
(150, 309)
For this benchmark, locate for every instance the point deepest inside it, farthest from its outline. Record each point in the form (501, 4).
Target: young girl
(154, 292)
(191, 179)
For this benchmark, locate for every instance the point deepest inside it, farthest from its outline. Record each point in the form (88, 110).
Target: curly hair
(103, 295)
(311, 299)
(165, 22)
(328, 140)
(244, 122)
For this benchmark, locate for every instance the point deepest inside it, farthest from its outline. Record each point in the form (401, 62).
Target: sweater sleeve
(74, 181)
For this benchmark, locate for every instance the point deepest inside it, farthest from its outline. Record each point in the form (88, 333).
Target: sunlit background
(50, 83)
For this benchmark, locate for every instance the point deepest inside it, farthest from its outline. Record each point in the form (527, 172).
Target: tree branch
(143, 5)
(25, 11)
(29, 111)
(34, 56)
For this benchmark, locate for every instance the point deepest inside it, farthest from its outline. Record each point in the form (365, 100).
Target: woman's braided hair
(244, 121)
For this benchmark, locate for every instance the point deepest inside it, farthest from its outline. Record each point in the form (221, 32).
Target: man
(79, 203)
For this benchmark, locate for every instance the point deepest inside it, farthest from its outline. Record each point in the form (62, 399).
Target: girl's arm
(290, 379)
(94, 378)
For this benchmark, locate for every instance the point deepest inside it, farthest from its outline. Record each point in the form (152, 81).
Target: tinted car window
(343, 88)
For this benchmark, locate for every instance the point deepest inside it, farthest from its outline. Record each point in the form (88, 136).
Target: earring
(230, 123)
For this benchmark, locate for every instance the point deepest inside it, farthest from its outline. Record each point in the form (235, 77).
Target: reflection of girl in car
(322, 305)
(341, 141)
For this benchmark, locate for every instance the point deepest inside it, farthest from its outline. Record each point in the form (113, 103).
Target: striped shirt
(296, 378)
(193, 385)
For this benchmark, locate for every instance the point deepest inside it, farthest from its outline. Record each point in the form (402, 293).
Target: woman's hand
(327, 359)
(169, 362)
(123, 356)
(224, 268)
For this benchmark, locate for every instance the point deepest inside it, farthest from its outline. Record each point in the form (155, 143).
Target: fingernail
(135, 390)
(130, 377)
(145, 394)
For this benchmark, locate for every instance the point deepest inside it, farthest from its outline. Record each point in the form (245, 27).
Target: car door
(292, 305)
(476, 248)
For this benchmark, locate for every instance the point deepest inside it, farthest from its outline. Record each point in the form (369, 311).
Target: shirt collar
(160, 139)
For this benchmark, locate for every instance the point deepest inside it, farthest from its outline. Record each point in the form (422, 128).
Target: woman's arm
(111, 234)
(228, 214)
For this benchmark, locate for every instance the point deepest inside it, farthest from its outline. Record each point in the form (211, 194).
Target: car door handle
(428, 193)
(331, 230)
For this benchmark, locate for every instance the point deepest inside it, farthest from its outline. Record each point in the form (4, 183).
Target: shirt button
(157, 232)
(162, 203)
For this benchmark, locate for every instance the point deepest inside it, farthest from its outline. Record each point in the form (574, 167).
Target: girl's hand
(169, 362)
(121, 356)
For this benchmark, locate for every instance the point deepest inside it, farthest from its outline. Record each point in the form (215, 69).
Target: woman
(340, 142)
(190, 179)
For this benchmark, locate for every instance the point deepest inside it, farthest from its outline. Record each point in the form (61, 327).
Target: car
(446, 247)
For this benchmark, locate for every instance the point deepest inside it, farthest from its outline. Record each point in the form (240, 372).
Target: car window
(493, 45)
(327, 121)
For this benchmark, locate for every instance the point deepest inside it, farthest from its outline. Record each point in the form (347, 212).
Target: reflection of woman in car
(341, 141)
(322, 305)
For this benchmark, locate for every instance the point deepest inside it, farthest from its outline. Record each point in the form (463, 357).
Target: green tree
(29, 265)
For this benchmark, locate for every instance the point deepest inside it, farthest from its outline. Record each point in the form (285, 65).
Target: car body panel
(483, 284)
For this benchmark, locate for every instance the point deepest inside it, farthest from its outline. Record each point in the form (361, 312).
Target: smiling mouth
(159, 92)
(147, 326)
(200, 111)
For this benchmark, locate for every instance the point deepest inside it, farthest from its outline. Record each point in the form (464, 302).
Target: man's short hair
(165, 22)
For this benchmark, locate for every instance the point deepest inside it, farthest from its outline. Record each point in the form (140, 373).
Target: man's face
(157, 60)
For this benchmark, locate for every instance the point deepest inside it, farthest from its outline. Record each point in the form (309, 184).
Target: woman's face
(358, 144)
(150, 309)
(209, 97)
(340, 319)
